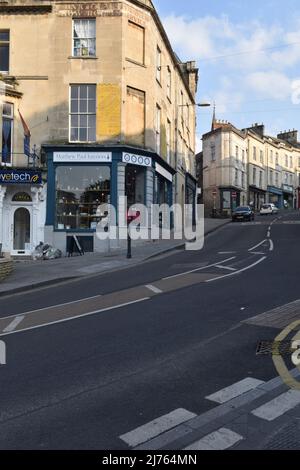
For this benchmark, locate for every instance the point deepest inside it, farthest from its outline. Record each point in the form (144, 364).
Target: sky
(248, 55)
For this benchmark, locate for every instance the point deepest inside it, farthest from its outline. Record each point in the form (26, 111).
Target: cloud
(274, 85)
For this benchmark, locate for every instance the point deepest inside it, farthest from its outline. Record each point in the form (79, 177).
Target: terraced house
(109, 108)
(247, 166)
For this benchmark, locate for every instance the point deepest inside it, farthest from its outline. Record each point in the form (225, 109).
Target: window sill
(140, 64)
(83, 57)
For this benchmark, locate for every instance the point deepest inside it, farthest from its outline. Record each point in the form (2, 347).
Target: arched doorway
(21, 229)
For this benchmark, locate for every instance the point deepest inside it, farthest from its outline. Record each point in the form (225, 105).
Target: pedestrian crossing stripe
(235, 390)
(219, 440)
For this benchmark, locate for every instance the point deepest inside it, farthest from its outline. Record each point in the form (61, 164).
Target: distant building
(249, 167)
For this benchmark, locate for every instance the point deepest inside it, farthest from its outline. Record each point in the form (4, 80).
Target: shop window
(4, 50)
(135, 184)
(135, 43)
(80, 191)
(7, 132)
(83, 113)
(84, 38)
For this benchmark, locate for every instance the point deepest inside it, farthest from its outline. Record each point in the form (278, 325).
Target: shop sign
(288, 189)
(166, 174)
(134, 159)
(82, 157)
(20, 177)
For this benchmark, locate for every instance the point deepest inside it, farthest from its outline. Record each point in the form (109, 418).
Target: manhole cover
(279, 348)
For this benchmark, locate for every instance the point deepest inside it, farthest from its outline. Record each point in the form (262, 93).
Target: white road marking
(13, 325)
(199, 269)
(235, 390)
(257, 253)
(219, 440)
(156, 427)
(76, 317)
(226, 252)
(239, 271)
(279, 406)
(228, 268)
(258, 245)
(154, 289)
(271, 245)
(269, 234)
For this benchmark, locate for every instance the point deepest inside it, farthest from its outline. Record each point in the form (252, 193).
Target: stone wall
(6, 267)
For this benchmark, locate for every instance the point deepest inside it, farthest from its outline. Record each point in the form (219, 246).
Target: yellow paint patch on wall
(109, 111)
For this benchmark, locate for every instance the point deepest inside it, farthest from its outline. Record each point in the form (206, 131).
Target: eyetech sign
(20, 177)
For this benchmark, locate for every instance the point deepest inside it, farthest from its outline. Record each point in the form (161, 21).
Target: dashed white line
(13, 325)
(235, 390)
(199, 269)
(279, 406)
(239, 271)
(269, 234)
(154, 289)
(156, 427)
(271, 245)
(219, 440)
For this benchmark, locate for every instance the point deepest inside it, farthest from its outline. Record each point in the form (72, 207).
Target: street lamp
(204, 104)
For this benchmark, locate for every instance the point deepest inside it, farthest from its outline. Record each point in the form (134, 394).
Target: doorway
(21, 231)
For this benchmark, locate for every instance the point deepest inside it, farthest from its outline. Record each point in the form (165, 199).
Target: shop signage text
(82, 157)
(20, 177)
(288, 189)
(134, 159)
(166, 174)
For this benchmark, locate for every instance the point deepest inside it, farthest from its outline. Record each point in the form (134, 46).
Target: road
(92, 360)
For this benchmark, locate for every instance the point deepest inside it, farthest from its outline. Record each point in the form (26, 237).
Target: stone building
(248, 166)
(110, 109)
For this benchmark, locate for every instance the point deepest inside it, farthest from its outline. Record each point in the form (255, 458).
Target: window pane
(92, 121)
(74, 120)
(83, 135)
(92, 28)
(83, 91)
(74, 106)
(74, 134)
(4, 35)
(6, 140)
(92, 134)
(83, 121)
(74, 91)
(91, 106)
(92, 92)
(4, 58)
(92, 47)
(82, 106)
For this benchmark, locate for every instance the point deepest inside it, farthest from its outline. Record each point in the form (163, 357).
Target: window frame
(158, 64)
(158, 129)
(6, 42)
(11, 119)
(89, 56)
(82, 114)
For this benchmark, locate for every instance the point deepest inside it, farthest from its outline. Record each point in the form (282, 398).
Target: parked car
(268, 209)
(243, 213)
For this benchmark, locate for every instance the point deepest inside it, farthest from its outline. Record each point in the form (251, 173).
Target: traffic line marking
(269, 234)
(75, 317)
(257, 246)
(239, 271)
(154, 289)
(156, 427)
(13, 325)
(235, 390)
(199, 269)
(278, 406)
(228, 268)
(222, 439)
(271, 245)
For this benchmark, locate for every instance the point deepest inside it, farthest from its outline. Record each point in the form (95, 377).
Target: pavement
(159, 355)
(30, 274)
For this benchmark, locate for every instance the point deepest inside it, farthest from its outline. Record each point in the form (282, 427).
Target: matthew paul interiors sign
(20, 177)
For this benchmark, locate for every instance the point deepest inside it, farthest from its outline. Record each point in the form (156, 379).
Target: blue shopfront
(83, 182)
(275, 196)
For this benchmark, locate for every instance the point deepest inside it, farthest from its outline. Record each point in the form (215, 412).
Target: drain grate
(277, 348)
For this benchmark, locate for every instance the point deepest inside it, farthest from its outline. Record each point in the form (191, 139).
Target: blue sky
(248, 54)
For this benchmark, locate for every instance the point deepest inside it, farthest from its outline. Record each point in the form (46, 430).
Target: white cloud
(274, 85)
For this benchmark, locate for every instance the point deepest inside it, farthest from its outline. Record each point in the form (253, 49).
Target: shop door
(21, 231)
